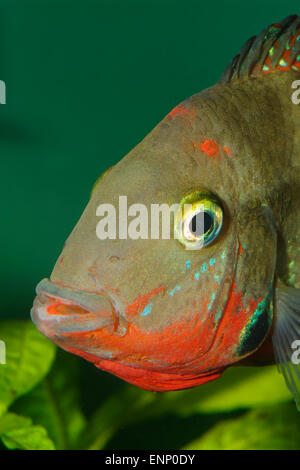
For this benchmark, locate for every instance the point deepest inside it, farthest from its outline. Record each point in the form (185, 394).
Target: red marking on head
(209, 147)
(141, 301)
(180, 110)
(241, 249)
(228, 151)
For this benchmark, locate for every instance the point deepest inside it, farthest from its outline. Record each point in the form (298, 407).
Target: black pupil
(201, 223)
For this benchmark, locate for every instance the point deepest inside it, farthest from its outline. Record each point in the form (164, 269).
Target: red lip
(60, 308)
(54, 312)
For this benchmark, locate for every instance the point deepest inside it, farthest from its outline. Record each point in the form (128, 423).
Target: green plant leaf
(29, 356)
(115, 412)
(238, 388)
(54, 403)
(270, 428)
(17, 432)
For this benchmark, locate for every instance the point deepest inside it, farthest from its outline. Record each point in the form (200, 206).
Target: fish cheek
(255, 278)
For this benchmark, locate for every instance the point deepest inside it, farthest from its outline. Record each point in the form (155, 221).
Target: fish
(223, 289)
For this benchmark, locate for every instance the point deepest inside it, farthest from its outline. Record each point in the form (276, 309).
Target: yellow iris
(198, 220)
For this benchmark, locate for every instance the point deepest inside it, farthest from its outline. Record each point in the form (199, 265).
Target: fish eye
(199, 220)
(200, 223)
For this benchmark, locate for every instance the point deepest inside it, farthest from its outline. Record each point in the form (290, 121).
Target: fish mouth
(58, 310)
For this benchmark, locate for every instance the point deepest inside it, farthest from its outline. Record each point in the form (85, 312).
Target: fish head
(166, 313)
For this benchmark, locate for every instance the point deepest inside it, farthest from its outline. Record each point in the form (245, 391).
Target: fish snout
(57, 310)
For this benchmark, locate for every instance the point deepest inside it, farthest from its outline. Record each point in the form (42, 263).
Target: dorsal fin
(277, 47)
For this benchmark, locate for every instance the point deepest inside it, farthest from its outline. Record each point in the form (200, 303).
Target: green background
(86, 81)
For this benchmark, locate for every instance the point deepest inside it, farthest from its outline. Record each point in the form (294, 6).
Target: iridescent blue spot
(147, 310)
(186, 266)
(211, 302)
(217, 277)
(204, 268)
(212, 261)
(172, 292)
